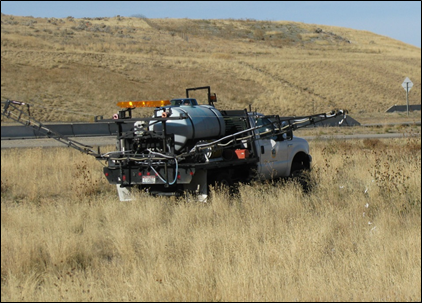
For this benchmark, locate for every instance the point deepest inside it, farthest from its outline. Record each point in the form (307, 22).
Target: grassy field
(355, 237)
(74, 69)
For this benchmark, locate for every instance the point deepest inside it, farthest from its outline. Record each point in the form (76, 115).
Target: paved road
(111, 140)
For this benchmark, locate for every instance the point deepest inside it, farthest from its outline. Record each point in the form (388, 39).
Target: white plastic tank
(202, 122)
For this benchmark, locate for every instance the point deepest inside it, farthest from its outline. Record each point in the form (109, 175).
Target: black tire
(300, 174)
(222, 179)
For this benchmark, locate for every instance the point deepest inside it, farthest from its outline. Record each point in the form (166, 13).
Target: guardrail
(109, 128)
(69, 130)
(403, 108)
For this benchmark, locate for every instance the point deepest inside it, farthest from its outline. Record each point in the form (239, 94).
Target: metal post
(166, 172)
(407, 97)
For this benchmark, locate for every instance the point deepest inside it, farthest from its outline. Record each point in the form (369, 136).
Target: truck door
(273, 152)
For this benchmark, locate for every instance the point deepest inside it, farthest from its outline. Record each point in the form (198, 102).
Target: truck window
(267, 125)
(176, 102)
(188, 101)
(267, 129)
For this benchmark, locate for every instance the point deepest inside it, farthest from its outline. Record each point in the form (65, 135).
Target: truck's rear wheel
(222, 179)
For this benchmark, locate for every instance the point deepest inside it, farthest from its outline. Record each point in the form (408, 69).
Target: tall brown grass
(355, 237)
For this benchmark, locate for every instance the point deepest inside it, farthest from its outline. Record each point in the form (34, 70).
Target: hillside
(73, 69)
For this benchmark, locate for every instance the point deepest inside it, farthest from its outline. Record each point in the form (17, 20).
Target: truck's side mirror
(289, 135)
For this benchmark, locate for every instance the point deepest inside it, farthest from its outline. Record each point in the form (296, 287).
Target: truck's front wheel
(300, 173)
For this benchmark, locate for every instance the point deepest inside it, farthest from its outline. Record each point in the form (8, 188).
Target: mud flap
(124, 193)
(198, 186)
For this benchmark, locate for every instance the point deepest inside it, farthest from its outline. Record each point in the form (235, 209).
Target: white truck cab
(277, 152)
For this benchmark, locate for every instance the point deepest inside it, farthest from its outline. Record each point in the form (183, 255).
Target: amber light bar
(131, 104)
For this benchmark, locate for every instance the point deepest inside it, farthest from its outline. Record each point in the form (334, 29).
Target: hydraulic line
(176, 171)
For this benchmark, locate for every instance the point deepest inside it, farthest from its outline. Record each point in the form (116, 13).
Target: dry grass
(73, 69)
(355, 237)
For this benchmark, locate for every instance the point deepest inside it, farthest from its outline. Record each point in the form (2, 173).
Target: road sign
(407, 84)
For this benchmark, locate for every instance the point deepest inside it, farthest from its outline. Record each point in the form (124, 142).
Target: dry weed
(355, 236)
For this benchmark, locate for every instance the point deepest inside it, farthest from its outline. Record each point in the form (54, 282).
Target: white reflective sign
(407, 84)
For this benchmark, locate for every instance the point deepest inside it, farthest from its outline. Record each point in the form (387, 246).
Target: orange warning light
(132, 104)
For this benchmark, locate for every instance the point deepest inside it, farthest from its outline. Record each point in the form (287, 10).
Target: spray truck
(184, 147)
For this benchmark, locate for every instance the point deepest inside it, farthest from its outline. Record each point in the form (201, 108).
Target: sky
(400, 20)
